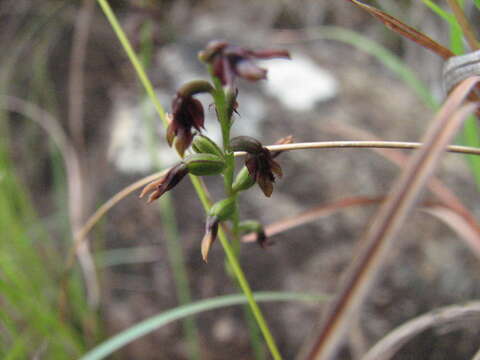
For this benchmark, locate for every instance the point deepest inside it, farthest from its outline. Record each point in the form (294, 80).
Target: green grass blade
(456, 34)
(157, 321)
(385, 56)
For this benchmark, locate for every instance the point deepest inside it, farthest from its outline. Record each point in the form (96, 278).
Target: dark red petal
(228, 72)
(248, 70)
(276, 168)
(196, 113)
(252, 166)
(183, 141)
(170, 133)
(265, 184)
(270, 53)
(218, 69)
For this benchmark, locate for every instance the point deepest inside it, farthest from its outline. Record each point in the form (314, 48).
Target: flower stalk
(221, 104)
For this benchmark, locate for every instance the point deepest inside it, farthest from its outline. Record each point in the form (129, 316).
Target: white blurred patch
(298, 83)
(130, 146)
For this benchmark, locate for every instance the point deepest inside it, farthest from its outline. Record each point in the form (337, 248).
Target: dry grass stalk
(438, 188)
(405, 30)
(387, 347)
(75, 186)
(378, 240)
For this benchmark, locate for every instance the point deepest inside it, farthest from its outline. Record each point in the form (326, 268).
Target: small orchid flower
(259, 162)
(229, 61)
(187, 113)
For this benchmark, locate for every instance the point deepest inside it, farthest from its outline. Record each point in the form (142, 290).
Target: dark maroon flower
(229, 61)
(187, 113)
(171, 178)
(259, 162)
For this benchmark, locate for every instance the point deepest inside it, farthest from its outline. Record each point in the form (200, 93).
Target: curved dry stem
(75, 186)
(378, 240)
(80, 237)
(438, 188)
(387, 347)
(313, 214)
(76, 73)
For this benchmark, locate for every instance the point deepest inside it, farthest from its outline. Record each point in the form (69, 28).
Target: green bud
(243, 181)
(223, 209)
(248, 226)
(253, 226)
(204, 164)
(204, 145)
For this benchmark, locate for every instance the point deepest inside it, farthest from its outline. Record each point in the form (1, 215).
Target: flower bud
(204, 164)
(243, 181)
(223, 209)
(257, 228)
(204, 145)
(220, 211)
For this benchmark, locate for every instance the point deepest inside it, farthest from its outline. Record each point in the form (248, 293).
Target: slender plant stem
(196, 183)
(112, 19)
(220, 99)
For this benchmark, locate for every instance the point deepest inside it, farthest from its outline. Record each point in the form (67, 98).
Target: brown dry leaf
(377, 242)
(405, 30)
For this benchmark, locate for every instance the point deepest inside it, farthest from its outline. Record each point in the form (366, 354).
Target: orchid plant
(225, 63)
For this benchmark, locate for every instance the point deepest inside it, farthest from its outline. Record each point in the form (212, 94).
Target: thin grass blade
(147, 326)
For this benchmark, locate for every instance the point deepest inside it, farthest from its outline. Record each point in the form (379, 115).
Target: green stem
(222, 107)
(112, 19)
(195, 181)
(167, 216)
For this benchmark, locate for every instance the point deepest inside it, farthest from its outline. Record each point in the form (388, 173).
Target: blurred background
(76, 127)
